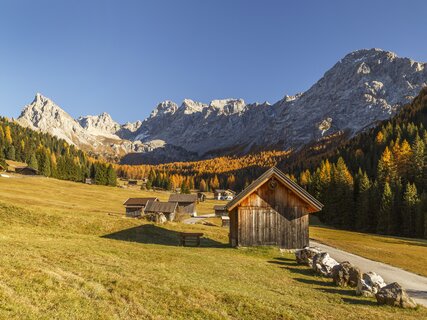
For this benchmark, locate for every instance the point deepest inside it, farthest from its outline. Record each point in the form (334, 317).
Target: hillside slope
(66, 254)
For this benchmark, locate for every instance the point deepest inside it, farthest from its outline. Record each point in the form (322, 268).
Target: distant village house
(224, 194)
(132, 182)
(27, 171)
(220, 211)
(186, 203)
(161, 211)
(201, 197)
(135, 206)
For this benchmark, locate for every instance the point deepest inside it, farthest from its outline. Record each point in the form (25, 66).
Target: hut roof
(183, 198)
(138, 201)
(279, 175)
(25, 169)
(158, 206)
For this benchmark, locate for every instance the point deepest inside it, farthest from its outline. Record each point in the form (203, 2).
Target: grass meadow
(68, 252)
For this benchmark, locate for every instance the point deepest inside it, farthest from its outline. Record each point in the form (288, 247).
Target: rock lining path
(415, 285)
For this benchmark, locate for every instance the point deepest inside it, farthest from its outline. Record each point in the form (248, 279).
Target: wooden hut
(135, 206)
(27, 171)
(273, 210)
(159, 209)
(201, 197)
(220, 211)
(186, 203)
(132, 182)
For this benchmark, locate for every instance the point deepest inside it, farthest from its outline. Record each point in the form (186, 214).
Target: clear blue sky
(123, 57)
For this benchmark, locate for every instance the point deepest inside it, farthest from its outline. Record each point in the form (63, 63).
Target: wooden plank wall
(270, 217)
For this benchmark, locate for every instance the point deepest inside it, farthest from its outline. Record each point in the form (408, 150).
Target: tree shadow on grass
(152, 234)
(347, 292)
(291, 265)
(314, 282)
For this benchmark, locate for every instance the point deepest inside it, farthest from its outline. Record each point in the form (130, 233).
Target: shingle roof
(25, 168)
(302, 193)
(179, 197)
(138, 201)
(157, 206)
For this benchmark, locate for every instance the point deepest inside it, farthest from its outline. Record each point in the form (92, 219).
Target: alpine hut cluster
(159, 211)
(272, 210)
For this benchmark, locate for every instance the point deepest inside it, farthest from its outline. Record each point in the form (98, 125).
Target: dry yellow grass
(68, 252)
(405, 253)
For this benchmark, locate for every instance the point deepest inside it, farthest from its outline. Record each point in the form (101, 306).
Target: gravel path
(415, 285)
(194, 220)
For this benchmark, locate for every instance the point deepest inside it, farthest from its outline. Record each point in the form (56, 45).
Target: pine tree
(111, 176)
(149, 185)
(184, 188)
(385, 209)
(417, 161)
(33, 162)
(409, 210)
(363, 209)
(10, 153)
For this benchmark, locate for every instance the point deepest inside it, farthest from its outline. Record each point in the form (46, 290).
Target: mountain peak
(164, 108)
(228, 106)
(369, 54)
(101, 124)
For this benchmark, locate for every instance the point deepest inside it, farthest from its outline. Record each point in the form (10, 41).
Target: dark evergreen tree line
(52, 157)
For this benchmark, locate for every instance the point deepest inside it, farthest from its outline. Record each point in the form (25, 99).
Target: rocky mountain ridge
(364, 87)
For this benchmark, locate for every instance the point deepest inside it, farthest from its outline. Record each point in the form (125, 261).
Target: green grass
(68, 252)
(405, 253)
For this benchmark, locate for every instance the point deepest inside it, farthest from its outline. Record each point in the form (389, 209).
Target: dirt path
(415, 285)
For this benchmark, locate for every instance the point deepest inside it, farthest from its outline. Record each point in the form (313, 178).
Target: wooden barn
(186, 202)
(220, 211)
(157, 209)
(201, 197)
(132, 182)
(27, 171)
(135, 206)
(273, 210)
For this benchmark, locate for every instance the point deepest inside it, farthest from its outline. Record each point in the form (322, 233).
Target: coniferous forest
(52, 157)
(377, 182)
